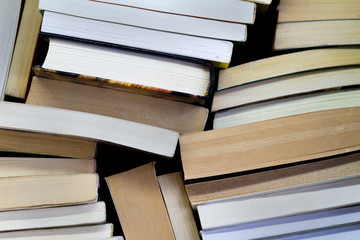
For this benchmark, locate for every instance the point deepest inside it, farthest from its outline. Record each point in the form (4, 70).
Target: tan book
(139, 204)
(285, 86)
(48, 190)
(173, 115)
(270, 143)
(24, 51)
(24, 166)
(286, 64)
(309, 10)
(296, 35)
(270, 180)
(46, 144)
(178, 206)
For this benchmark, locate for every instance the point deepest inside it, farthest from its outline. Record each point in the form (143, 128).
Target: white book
(51, 217)
(286, 225)
(9, 18)
(286, 107)
(71, 233)
(215, 50)
(317, 197)
(107, 11)
(33, 118)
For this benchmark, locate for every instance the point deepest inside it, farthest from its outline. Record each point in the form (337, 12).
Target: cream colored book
(289, 85)
(90, 126)
(159, 112)
(286, 107)
(46, 144)
(26, 166)
(309, 10)
(178, 206)
(137, 199)
(285, 64)
(98, 231)
(270, 143)
(47, 190)
(273, 180)
(24, 51)
(53, 217)
(297, 35)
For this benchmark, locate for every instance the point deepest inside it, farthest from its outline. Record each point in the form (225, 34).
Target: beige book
(276, 179)
(296, 35)
(24, 166)
(47, 190)
(24, 51)
(270, 143)
(309, 10)
(284, 64)
(53, 217)
(46, 144)
(178, 206)
(290, 85)
(99, 231)
(139, 204)
(160, 112)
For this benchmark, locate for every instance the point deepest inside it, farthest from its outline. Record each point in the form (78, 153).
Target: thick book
(121, 69)
(48, 190)
(287, 107)
(289, 63)
(217, 51)
(273, 179)
(19, 142)
(178, 206)
(270, 143)
(107, 11)
(286, 86)
(98, 231)
(42, 119)
(308, 10)
(9, 17)
(27, 166)
(53, 217)
(137, 199)
(159, 112)
(276, 228)
(24, 51)
(299, 35)
(314, 197)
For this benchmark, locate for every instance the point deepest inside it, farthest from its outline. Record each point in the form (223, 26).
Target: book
(9, 17)
(178, 206)
(53, 217)
(126, 70)
(314, 197)
(27, 166)
(316, 34)
(142, 137)
(273, 179)
(46, 144)
(270, 143)
(137, 199)
(299, 10)
(107, 11)
(98, 231)
(217, 51)
(286, 107)
(24, 51)
(285, 86)
(289, 63)
(159, 112)
(276, 228)
(48, 190)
